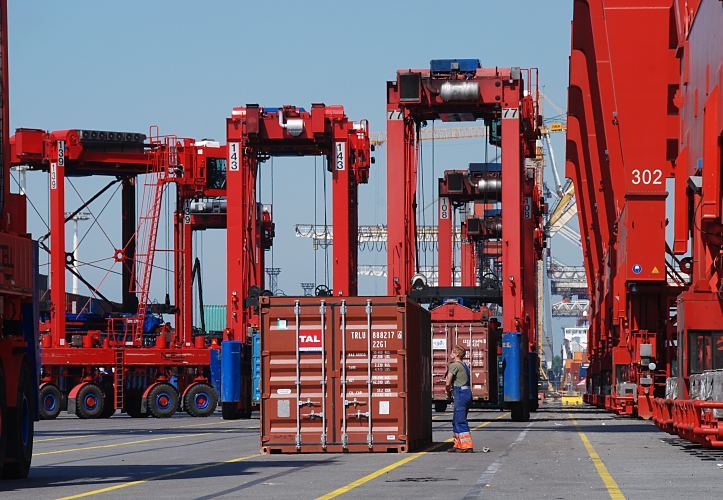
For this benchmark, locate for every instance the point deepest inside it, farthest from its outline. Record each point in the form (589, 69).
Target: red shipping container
(454, 324)
(316, 380)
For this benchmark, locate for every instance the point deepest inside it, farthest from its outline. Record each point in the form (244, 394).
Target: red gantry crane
(656, 307)
(255, 134)
(506, 99)
(619, 175)
(125, 358)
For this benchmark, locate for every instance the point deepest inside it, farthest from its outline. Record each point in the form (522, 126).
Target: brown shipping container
(454, 324)
(316, 381)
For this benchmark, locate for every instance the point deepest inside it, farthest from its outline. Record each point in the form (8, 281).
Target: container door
(479, 360)
(294, 393)
(373, 363)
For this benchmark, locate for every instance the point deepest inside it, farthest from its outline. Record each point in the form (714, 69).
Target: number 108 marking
(647, 176)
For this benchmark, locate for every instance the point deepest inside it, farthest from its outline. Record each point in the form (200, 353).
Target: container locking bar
(297, 312)
(344, 436)
(322, 311)
(370, 437)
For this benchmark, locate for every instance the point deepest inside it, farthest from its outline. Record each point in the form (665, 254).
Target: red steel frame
(446, 224)
(619, 174)
(628, 131)
(63, 153)
(699, 215)
(502, 95)
(255, 133)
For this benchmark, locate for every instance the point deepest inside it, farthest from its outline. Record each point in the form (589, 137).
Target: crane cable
(422, 207)
(326, 229)
(434, 177)
(168, 226)
(414, 200)
(315, 244)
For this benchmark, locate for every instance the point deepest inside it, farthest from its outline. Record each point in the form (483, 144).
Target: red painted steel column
(57, 243)
(445, 242)
(401, 201)
(343, 205)
(235, 236)
(184, 302)
(399, 208)
(511, 221)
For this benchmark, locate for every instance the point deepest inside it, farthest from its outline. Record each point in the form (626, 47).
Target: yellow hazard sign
(655, 270)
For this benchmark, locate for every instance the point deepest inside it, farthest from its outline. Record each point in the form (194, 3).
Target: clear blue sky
(183, 65)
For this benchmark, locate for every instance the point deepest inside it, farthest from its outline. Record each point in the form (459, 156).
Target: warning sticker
(383, 407)
(310, 341)
(655, 270)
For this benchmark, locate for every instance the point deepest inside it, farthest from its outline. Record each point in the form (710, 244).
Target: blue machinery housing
(519, 376)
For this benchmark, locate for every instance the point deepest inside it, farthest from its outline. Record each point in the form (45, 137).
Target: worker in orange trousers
(458, 382)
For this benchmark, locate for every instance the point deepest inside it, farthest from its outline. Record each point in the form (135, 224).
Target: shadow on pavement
(100, 476)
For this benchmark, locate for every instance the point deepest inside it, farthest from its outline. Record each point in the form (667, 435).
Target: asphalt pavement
(563, 452)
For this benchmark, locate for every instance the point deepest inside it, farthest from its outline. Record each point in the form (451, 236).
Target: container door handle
(370, 437)
(344, 436)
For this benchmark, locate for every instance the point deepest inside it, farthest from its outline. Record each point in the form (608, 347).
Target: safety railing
(693, 420)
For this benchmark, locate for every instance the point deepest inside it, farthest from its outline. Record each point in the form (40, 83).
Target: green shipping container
(215, 316)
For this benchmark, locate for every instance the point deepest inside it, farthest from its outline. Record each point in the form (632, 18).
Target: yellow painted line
(205, 424)
(45, 440)
(115, 445)
(607, 479)
(129, 443)
(160, 476)
(363, 480)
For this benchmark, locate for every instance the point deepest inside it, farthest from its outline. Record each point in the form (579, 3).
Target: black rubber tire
(162, 400)
(200, 400)
(20, 426)
(89, 401)
(108, 398)
(231, 411)
(520, 411)
(440, 406)
(3, 419)
(132, 405)
(51, 402)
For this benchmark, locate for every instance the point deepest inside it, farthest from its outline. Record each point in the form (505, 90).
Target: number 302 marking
(647, 176)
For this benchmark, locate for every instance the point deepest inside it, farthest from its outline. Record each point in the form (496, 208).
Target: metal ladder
(162, 161)
(119, 379)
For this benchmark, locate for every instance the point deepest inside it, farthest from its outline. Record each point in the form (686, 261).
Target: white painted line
(486, 477)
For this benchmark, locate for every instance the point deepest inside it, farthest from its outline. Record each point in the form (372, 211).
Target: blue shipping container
(256, 366)
(215, 318)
